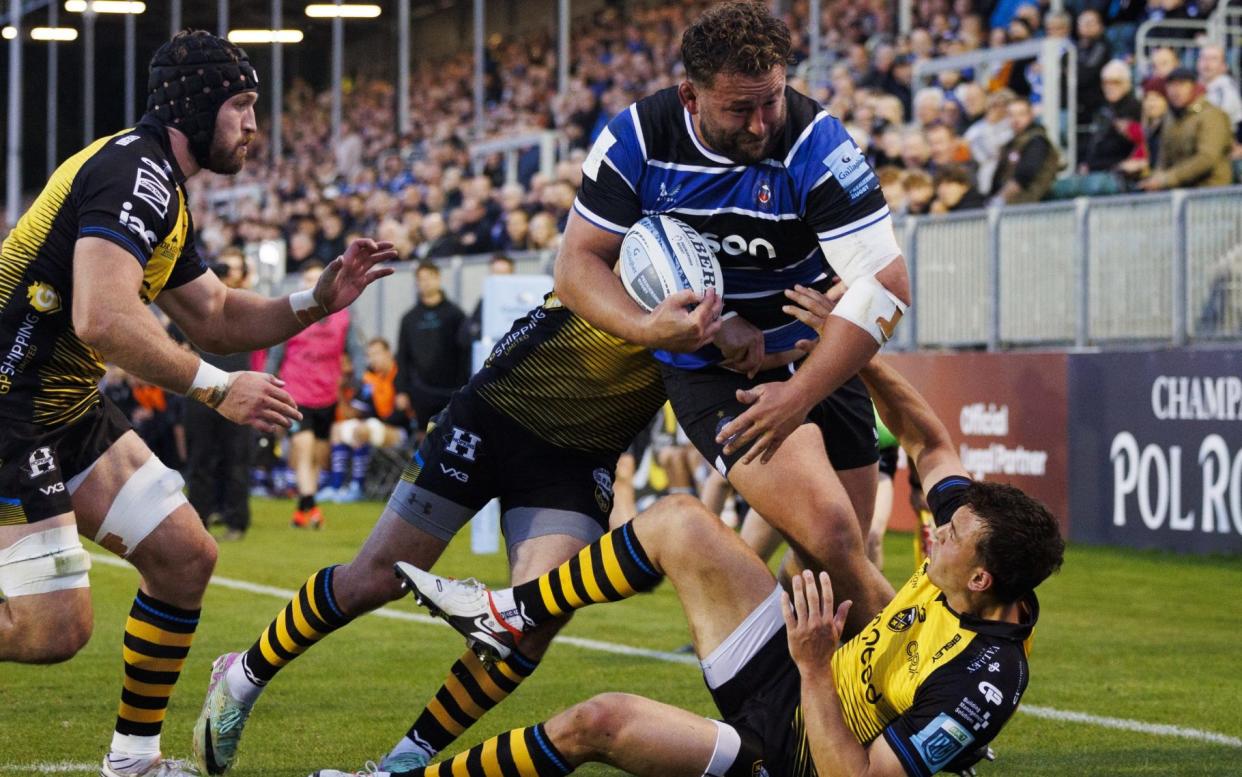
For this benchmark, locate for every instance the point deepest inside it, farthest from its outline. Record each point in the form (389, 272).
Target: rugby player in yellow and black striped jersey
(925, 687)
(110, 232)
(540, 428)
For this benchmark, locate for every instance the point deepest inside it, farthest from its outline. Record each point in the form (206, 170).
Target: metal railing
(1095, 271)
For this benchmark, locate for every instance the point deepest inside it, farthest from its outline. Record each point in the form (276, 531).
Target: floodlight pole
(278, 85)
(130, 67)
(479, 122)
(13, 194)
(338, 56)
(562, 54)
(88, 76)
(174, 18)
(813, 62)
(403, 67)
(222, 18)
(53, 76)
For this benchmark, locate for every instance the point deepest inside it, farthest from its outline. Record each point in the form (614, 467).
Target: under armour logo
(463, 444)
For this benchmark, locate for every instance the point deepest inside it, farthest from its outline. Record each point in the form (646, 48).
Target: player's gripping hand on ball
(673, 326)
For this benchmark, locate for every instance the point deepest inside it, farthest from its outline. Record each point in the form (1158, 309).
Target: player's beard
(740, 146)
(225, 159)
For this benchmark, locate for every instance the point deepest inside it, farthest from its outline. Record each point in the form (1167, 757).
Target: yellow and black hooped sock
(310, 616)
(613, 568)
(523, 752)
(469, 691)
(157, 641)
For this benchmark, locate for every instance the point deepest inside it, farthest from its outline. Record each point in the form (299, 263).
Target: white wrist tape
(210, 385)
(306, 308)
(870, 306)
(46, 561)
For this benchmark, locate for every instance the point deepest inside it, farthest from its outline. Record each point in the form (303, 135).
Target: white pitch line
(60, 767)
(1123, 724)
(1159, 729)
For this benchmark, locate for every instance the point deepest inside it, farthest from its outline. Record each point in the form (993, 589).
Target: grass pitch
(1146, 638)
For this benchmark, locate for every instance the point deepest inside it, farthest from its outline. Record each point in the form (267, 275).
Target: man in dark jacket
(1195, 139)
(431, 365)
(1118, 129)
(1029, 162)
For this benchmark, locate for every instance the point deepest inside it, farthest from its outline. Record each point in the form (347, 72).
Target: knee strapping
(46, 561)
(147, 498)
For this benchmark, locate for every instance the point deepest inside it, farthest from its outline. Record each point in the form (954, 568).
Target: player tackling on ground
(924, 687)
(111, 231)
(778, 184)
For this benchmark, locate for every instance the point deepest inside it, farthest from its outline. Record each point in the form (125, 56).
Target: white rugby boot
(469, 607)
(115, 765)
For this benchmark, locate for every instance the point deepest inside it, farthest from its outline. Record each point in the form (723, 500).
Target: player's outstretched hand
(346, 276)
(672, 326)
(812, 626)
(741, 343)
(258, 399)
(812, 308)
(776, 410)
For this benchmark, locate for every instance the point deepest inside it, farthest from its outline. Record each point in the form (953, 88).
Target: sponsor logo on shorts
(757, 769)
(603, 489)
(463, 444)
(40, 463)
(55, 488)
(43, 297)
(454, 473)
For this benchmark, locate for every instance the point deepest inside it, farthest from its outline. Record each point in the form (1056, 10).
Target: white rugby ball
(661, 256)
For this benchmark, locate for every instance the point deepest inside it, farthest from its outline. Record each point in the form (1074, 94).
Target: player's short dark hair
(740, 36)
(1021, 544)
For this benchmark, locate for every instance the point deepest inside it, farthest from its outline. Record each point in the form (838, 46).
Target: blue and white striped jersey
(772, 224)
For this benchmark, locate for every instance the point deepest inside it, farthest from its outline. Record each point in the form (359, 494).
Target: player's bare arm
(109, 316)
(224, 320)
(779, 408)
(587, 285)
(813, 628)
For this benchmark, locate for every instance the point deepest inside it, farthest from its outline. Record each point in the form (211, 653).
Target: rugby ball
(661, 256)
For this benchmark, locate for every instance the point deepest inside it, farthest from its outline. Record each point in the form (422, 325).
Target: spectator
(915, 152)
(436, 242)
(431, 365)
(373, 422)
(893, 189)
(987, 136)
(301, 252)
(1118, 133)
(1220, 89)
(1163, 61)
(919, 192)
(1028, 162)
(927, 104)
(331, 239)
(1094, 51)
(946, 149)
(955, 191)
(217, 450)
(1195, 139)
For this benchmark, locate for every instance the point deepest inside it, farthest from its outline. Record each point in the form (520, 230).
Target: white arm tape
(306, 309)
(873, 308)
(46, 561)
(210, 384)
(857, 255)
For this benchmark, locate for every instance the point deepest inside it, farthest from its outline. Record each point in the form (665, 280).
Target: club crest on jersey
(763, 195)
(603, 489)
(904, 619)
(43, 297)
(667, 197)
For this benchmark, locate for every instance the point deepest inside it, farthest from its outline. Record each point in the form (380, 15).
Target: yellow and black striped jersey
(570, 384)
(126, 189)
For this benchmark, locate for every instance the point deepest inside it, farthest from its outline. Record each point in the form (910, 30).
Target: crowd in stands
(960, 141)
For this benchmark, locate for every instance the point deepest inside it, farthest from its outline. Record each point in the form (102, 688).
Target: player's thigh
(640, 735)
(532, 557)
(861, 484)
(798, 494)
(718, 578)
